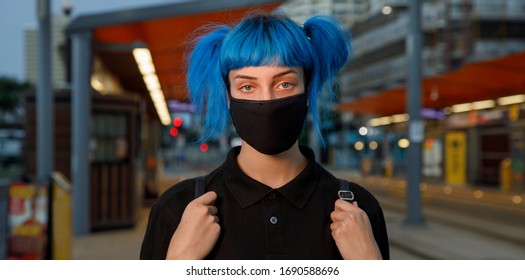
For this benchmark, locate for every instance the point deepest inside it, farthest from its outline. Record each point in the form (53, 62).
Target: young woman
(270, 199)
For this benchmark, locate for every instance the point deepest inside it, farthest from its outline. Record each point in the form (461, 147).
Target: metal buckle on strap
(346, 195)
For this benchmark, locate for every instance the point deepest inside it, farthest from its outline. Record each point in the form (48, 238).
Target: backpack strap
(200, 186)
(344, 192)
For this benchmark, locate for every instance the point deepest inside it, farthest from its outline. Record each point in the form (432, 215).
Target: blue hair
(321, 47)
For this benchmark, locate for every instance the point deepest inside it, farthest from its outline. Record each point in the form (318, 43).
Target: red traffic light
(174, 131)
(177, 122)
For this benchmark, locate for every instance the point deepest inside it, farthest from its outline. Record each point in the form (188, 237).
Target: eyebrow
(274, 76)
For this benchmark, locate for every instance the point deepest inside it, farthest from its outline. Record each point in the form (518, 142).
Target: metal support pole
(346, 118)
(45, 97)
(415, 126)
(4, 212)
(314, 141)
(80, 132)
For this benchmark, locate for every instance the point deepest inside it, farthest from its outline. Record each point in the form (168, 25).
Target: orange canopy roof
(482, 80)
(165, 30)
(167, 40)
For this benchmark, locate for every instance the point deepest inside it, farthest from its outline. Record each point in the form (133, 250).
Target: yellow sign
(514, 112)
(62, 217)
(456, 158)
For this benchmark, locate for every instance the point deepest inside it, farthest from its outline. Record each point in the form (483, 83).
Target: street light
(386, 10)
(363, 131)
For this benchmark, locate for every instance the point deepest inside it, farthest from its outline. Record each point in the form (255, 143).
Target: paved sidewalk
(122, 244)
(435, 240)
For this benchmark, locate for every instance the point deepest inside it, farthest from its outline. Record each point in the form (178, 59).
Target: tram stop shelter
(110, 38)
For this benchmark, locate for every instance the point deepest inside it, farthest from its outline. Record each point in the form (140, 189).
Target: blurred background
(95, 121)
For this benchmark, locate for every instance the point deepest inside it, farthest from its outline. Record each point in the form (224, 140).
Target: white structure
(58, 44)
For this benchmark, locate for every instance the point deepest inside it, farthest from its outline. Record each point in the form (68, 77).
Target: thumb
(207, 198)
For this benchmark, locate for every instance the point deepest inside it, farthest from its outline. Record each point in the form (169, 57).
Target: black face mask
(269, 126)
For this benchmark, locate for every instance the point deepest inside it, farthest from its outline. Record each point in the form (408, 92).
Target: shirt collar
(248, 191)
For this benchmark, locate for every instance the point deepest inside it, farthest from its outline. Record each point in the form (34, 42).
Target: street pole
(314, 141)
(346, 118)
(80, 132)
(44, 97)
(415, 125)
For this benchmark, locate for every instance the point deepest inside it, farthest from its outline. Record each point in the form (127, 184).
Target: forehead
(263, 72)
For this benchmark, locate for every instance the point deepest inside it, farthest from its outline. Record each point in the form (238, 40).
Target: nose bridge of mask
(277, 101)
(265, 96)
(269, 126)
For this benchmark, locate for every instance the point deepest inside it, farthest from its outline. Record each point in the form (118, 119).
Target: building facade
(455, 32)
(347, 11)
(478, 146)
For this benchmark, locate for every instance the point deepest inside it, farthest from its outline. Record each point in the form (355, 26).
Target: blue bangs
(263, 40)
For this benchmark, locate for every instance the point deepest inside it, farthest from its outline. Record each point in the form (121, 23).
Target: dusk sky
(18, 15)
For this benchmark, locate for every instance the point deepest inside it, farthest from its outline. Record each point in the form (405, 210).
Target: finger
(338, 216)
(356, 215)
(344, 205)
(334, 226)
(355, 204)
(212, 210)
(207, 198)
(216, 219)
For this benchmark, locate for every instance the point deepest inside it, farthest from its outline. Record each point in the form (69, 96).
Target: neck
(272, 170)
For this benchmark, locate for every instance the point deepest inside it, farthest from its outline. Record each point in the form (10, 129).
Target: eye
(246, 88)
(286, 85)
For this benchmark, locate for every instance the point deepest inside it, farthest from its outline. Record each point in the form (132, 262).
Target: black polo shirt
(258, 222)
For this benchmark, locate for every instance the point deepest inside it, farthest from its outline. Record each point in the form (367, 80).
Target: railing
(389, 72)
(498, 9)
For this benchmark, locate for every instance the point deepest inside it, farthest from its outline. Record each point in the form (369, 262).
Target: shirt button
(272, 196)
(273, 220)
